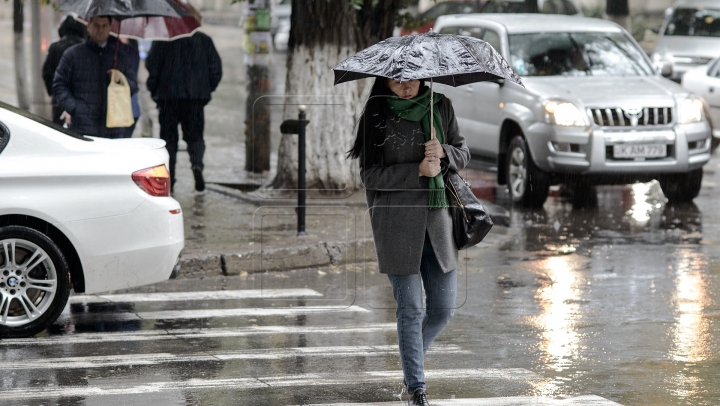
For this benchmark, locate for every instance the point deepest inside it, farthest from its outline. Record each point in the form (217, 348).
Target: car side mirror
(666, 70)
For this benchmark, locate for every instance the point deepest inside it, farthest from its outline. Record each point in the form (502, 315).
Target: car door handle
(468, 88)
(711, 90)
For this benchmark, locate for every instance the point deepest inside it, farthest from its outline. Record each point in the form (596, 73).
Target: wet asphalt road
(613, 303)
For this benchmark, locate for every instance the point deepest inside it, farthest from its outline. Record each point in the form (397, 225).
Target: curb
(278, 259)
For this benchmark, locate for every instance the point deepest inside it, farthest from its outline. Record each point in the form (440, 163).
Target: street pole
(298, 127)
(38, 105)
(19, 46)
(301, 171)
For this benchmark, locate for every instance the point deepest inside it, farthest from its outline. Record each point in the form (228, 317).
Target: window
(485, 34)
(692, 22)
(492, 38)
(577, 54)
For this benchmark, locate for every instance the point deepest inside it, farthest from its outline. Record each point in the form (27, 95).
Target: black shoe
(199, 181)
(418, 398)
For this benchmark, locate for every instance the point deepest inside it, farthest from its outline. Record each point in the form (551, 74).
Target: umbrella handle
(432, 110)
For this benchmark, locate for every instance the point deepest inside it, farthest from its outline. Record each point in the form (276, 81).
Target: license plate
(640, 151)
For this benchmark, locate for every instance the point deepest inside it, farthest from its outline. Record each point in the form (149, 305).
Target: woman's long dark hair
(370, 133)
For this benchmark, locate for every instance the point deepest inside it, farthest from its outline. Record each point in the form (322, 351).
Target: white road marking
(267, 311)
(355, 378)
(589, 400)
(266, 354)
(205, 313)
(175, 334)
(190, 296)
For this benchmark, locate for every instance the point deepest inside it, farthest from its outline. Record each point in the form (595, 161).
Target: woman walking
(401, 166)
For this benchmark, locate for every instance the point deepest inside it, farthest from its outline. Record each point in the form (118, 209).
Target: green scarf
(416, 109)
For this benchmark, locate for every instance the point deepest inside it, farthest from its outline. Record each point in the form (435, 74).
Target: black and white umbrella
(453, 60)
(449, 59)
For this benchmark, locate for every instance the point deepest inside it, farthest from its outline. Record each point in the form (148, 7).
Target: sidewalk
(233, 232)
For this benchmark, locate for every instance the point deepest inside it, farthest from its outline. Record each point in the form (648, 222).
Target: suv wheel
(34, 282)
(682, 187)
(528, 185)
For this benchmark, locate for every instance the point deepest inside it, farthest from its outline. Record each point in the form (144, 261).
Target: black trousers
(189, 113)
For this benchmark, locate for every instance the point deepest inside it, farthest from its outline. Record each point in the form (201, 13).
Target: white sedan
(704, 81)
(81, 213)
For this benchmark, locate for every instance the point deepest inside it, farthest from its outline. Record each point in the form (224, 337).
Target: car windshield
(693, 22)
(577, 54)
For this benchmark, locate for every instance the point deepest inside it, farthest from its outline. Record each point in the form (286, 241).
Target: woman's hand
(434, 148)
(430, 167)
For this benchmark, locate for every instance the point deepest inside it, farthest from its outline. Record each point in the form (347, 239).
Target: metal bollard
(298, 127)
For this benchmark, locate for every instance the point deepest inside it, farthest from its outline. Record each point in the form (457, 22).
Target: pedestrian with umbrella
(87, 69)
(407, 136)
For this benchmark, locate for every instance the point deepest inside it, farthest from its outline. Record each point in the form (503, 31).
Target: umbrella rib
(409, 47)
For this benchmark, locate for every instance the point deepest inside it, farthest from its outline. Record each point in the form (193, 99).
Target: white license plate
(640, 151)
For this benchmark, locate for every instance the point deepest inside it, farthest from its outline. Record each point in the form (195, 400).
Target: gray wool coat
(397, 196)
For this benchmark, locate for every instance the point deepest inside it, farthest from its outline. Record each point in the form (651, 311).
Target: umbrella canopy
(453, 60)
(158, 28)
(123, 9)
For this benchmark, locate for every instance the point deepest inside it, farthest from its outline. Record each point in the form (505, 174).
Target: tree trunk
(337, 31)
(19, 47)
(531, 6)
(618, 11)
(257, 121)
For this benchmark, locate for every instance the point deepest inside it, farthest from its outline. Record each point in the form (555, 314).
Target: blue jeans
(418, 325)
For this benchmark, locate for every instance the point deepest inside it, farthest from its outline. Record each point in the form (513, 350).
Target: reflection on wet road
(611, 302)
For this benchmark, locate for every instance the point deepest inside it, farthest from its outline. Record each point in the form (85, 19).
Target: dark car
(425, 21)
(566, 7)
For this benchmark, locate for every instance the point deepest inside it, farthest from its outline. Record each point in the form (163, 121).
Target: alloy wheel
(28, 282)
(517, 172)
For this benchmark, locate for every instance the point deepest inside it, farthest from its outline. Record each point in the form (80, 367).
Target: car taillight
(155, 181)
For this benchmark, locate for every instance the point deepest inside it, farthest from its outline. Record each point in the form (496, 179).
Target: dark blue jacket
(186, 68)
(81, 81)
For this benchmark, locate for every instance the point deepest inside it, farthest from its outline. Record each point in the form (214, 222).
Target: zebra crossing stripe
(260, 354)
(206, 313)
(176, 334)
(267, 311)
(589, 400)
(325, 379)
(192, 296)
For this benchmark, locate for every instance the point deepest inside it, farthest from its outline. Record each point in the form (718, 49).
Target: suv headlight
(690, 110)
(560, 112)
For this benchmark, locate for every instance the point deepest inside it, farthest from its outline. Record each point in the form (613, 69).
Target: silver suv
(689, 36)
(594, 110)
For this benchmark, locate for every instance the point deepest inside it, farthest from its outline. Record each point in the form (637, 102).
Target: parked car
(704, 81)
(689, 36)
(565, 7)
(426, 20)
(81, 213)
(593, 109)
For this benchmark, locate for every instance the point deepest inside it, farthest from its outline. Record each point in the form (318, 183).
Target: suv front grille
(617, 117)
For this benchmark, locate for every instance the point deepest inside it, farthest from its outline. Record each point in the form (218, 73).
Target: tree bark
(257, 121)
(531, 6)
(21, 86)
(618, 11)
(337, 31)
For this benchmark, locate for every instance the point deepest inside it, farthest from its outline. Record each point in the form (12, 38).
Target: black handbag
(471, 223)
